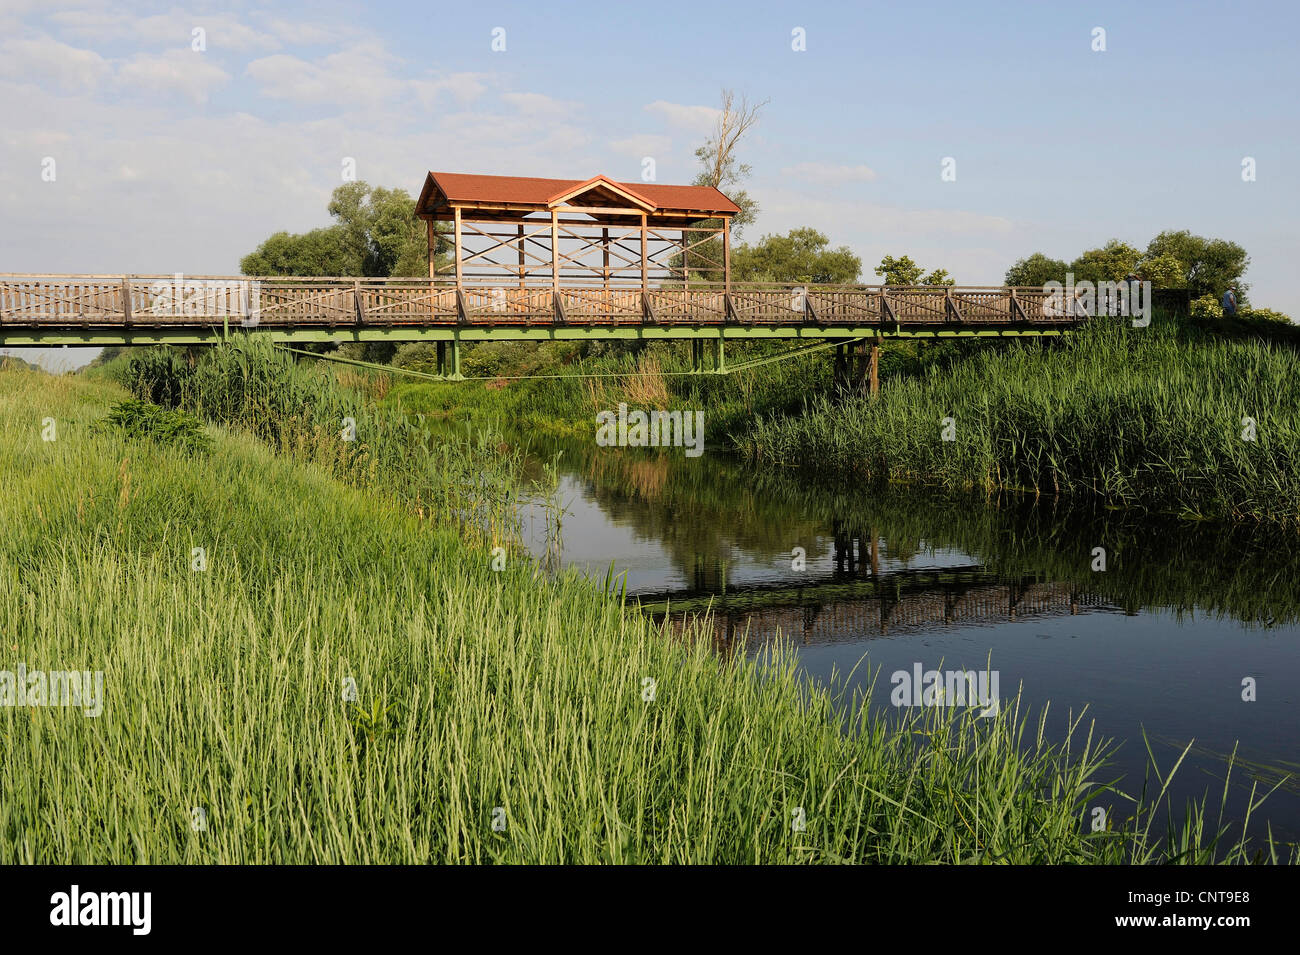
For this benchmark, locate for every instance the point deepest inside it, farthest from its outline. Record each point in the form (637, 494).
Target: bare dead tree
(721, 169)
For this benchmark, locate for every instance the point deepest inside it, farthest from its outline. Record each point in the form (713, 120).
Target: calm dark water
(1159, 642)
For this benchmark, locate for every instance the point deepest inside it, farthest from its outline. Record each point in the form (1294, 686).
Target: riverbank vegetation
(298, 668)
(1151, 418)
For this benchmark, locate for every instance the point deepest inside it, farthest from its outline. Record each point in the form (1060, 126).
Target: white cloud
(42, 59)
(359, 75)
(693, 118)
(223, 32)
(190, 74)
(298, 32)
(829, 174)
(462, 87)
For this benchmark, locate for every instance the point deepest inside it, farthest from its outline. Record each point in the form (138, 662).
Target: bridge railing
(196, 301)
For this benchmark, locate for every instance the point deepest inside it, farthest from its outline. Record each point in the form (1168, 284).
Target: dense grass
(475, 690)
(301, 410)
(1138, 417)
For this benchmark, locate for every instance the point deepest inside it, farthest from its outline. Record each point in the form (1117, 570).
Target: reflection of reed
(647, 477)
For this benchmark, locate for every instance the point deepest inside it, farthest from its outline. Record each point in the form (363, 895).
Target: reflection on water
(1159, 642)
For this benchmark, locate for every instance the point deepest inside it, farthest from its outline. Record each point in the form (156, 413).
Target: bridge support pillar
(449, 360)
(875, 367)
(857, 367)
(839, 369)
(697, 355)
(719, 357)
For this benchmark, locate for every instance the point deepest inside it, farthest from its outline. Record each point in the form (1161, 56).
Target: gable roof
(445, 189)
(599, 185)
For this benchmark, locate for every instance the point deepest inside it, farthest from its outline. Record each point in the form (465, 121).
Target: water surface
(1159, 642)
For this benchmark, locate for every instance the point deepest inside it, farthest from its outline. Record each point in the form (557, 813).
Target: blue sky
(171, 160)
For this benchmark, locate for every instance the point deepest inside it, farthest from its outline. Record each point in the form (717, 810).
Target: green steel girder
(16, 337)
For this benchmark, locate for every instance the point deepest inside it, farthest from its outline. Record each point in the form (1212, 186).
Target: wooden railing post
(126, 300)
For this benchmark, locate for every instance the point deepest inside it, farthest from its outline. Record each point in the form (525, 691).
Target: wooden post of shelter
(686, 267)
(555, 251)
(604, 270)
(726, 255)
(644, 272)
(521, 255)
(433, 246)
(456, 221)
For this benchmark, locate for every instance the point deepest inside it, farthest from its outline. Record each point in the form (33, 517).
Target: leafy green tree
(324, 251)
(375, 234)
(1208, 266)
(938, 277)
(801, 256)
(1036, 270)
(1162, 271)
(899, 271)
(1113, 262)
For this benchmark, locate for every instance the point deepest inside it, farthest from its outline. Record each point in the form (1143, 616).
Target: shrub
(1266, 315)
(417, 356)
(1207, 306)
(140, 420)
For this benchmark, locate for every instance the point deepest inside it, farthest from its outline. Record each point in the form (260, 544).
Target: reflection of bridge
(831, 608)
(525, 259)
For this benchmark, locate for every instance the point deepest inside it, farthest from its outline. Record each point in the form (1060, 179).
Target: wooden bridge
(524, 259)
(145, 309)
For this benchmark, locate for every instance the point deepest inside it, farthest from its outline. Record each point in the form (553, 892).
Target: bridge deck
(99, 309)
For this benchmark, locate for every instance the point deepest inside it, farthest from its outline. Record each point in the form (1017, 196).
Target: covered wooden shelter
(527, 232)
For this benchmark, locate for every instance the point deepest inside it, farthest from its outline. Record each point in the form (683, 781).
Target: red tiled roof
(532, 191)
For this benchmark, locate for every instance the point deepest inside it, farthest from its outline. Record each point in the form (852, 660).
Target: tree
(801, 256)
(900, 271)
(375, 234)
(1036, 270)
(380, 225)
(1113, 262)
(903, 271)
(1162, 271)
(1207, 266)
(722, 170)
(318, 252)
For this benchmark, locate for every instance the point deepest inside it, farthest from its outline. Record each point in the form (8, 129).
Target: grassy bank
(1148, 418)
(481, 696)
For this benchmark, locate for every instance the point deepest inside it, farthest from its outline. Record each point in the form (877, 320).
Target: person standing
(1230, 302)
